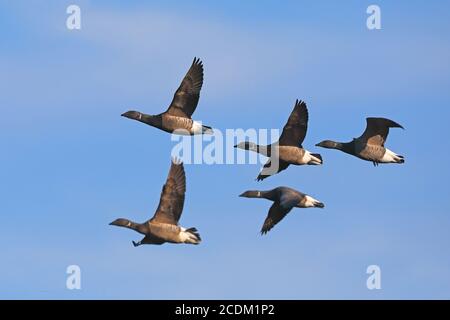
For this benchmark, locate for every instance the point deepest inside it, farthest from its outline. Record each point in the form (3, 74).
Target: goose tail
(313, 203)
(391, 157)
(207, 130)
(190, 236)
(316, 159)
(319, 205)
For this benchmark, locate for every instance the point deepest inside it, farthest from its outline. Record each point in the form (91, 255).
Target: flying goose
(284, 199)
(288, 150)
(177, 118)
(163, 227)
(370, 146)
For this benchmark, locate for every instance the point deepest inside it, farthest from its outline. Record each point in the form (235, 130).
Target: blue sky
(70, 164)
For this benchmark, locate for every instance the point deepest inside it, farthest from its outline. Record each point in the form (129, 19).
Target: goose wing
(294, 131)
(186, 97)
(152, 239)
(268, 171)
(276, 213)
(172, 196)
(377, 131)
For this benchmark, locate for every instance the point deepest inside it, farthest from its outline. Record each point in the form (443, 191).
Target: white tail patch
(311, 202)
(390, 157)
(197, 127)
(188, 237)
(308, 158)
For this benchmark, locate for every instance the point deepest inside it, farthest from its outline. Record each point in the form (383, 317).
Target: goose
(370, 145)
(284, 199)
(163, 227)
(177, 118)
(288, 150)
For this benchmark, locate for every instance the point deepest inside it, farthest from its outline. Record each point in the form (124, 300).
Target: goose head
(328, 144)
(121, 223)
(136, 115)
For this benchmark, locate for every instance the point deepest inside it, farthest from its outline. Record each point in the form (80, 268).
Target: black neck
(155, 121)
(139, 227)
(348, 147)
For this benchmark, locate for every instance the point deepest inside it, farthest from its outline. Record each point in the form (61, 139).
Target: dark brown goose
(177, 118)
(284, 199)
(288, 150)
(163, 227)
(369, 146)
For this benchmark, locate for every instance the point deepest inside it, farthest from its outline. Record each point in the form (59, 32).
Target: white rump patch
(196, 127)
(310, 202)
(187, 237)
(390, 156)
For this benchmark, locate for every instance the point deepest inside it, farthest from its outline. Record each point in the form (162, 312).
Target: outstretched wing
(186, 97)
(377, 131)
(152, 239)
(294, 131)
(172, 196)
(268, 170)
(276, 213)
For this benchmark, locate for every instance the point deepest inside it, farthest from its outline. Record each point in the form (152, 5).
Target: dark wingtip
(197, 61)
(261, 177)
(397, 125)
(176, 161)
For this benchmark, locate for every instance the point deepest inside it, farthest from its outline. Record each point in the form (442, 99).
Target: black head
(136, 115)
(327, 144)
(245, 194)
(251, 194)
(121, 222)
